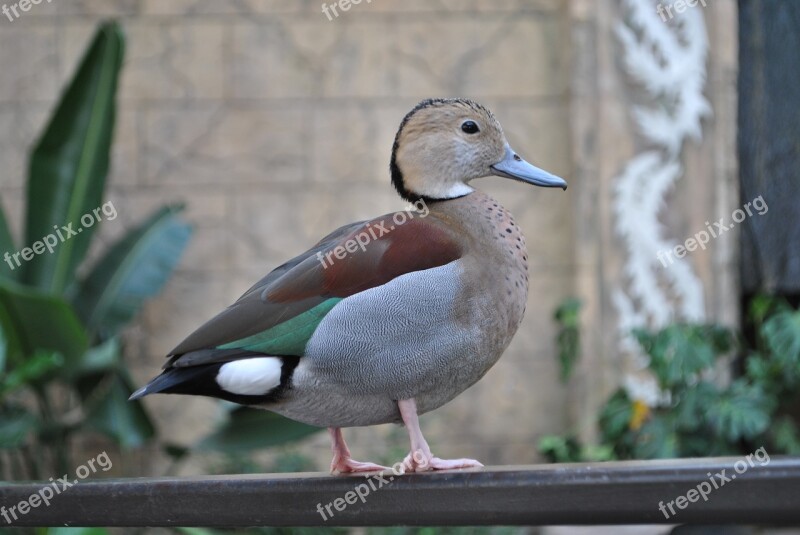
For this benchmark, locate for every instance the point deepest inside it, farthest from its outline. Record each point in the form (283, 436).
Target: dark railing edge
(631, 492)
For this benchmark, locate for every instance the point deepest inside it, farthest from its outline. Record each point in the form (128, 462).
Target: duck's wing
(279, 314)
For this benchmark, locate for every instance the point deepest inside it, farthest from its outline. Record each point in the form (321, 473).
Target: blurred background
(221, 138)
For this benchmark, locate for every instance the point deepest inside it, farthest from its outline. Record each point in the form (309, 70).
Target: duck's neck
(440, 185)
(491, 228)
(496, 256)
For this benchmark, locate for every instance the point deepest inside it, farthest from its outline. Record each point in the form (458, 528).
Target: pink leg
(421, 459)
(342, 463)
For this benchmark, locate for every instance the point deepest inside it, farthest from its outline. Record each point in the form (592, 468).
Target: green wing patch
(289, 337)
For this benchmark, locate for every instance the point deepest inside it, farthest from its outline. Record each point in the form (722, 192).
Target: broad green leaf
(782, 334)
(615, 417)
(762, 307)
(249, 429)
(599, 453)
(196, 531)
(132, 271)
(100, 358)
(742, 412)
(11, 339)
(656, 440)
(645, 338)
(558, 449)
(568, 312)
(691, 405)
(721, 338)
(567, 315)
(7, 248)
(69, 164)
(759, 369)
(112, 414)
(16, 424)
(77, 531)
(30, 371)
(705, 443)
(39, 322)
(679, 352)
(4, 348)
(785, 437)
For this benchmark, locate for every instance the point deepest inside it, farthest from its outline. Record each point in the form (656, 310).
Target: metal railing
(680, 491)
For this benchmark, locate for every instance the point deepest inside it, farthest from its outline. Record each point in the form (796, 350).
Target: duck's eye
(470, 127)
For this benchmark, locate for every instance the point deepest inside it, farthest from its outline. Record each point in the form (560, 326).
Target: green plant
(568, 339)
(568, 449)
(61, 367)
(699, 417)
(242, 431)
(61, 370)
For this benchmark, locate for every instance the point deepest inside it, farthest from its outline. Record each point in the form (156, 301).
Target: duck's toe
(452, 464)
(419, 461)
(351, 466)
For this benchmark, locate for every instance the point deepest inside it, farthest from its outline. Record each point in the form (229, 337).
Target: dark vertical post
(769, 144)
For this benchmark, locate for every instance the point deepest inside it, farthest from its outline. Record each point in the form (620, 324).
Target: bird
(386, 319)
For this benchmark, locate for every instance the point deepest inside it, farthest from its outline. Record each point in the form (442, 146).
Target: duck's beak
(512, 166)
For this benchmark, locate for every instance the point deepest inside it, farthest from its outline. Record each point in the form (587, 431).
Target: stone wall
(605, 140)
(274, 125)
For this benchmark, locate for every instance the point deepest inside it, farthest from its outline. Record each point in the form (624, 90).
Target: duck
(386, 319)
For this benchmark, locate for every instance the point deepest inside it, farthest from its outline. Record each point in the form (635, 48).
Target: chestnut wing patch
(280, 314)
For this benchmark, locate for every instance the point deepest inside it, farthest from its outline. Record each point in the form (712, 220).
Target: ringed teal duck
(386, 319)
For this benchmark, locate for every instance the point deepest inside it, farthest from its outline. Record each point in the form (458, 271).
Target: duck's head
(442, 144)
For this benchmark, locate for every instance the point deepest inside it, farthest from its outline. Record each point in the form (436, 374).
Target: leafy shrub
(698, 417)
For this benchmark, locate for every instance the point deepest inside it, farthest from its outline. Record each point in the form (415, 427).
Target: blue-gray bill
(513, 166)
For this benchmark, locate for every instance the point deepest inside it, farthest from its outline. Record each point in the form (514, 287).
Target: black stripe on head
(397, 175)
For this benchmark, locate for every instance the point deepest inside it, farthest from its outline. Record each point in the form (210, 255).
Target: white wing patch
(250, 377)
